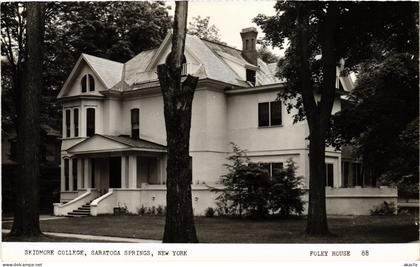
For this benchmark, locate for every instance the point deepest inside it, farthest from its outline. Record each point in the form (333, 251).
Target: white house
(113, 150)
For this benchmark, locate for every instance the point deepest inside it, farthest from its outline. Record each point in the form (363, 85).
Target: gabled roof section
(110, 143)
(136, 143)
(107, 71)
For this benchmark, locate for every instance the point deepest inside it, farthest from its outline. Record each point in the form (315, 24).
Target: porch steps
(80, 212)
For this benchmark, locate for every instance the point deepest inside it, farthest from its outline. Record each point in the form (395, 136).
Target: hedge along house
(113, 151)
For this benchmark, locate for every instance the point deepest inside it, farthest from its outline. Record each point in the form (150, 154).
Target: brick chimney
(249, 40)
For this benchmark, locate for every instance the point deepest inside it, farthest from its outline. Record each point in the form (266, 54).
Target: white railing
(63, 209)
(104, 204)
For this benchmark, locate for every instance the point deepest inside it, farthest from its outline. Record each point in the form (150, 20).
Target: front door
(115, 172)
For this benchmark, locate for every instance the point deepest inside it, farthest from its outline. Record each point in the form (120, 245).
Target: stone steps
(82, 211)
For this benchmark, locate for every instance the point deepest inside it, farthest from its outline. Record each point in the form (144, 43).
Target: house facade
(113, 151)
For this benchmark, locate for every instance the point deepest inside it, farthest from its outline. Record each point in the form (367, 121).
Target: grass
(349, 229)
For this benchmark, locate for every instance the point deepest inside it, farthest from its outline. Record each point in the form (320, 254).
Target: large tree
(178, 94)
(201, 27)
(26, 216)
(380, 121)
(320, 34)
(113, 30)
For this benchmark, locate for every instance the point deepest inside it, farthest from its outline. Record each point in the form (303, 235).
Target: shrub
(286, 191)
(251, 191)
(384, 209)
(160, 210)
(209, 212)
(141, 211)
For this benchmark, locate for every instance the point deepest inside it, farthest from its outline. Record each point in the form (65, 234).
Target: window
(74, 175)
(269, 114)
(87, 82)
(91, 83)
(329, 173)
(66, 174)
(84, 84)
(250, 76)
(273, 168)
(90, 122)
(135, 123)
(276, 168)
(357, 174)
(67, 123)
(76, 122)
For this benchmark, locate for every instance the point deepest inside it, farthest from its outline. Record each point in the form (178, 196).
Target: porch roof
(110, 143)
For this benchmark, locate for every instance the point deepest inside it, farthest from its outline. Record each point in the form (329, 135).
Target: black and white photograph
(127, 125)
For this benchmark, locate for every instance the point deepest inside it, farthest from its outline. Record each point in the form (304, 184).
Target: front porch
(101, 165)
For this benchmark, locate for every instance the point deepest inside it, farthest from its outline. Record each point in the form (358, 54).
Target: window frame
(135, 135)
(67, 123)
(76, 122)
(83, 83)
(87, 83)
(88, 133)
(251, 76)
(91, 84)
(270, 115)
(270, 166)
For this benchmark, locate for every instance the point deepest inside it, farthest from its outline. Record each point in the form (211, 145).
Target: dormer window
(250, 76)
(88, 82)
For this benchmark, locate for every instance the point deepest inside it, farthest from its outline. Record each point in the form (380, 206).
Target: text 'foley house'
(113, 151)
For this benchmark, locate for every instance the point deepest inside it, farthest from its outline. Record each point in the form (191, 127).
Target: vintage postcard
(264, 131)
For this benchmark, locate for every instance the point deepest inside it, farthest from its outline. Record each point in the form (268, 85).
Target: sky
(230, 17)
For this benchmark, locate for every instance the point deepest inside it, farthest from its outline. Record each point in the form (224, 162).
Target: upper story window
(76, 122)
(88, 82)
(250, 76)
(135, 123)
(269, 114)
(67, 120)
(90, 122)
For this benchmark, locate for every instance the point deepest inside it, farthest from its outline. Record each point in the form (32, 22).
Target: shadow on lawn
(345, 229)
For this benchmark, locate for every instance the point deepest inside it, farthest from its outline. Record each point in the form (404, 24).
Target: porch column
(123, 172)
(87, 172)
(132, 171)
(71, 175)
(62, 178)
(79, 173)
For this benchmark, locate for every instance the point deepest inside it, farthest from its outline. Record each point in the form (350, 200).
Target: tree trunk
(317, 216)
(26, 217)
(318, 114)
(177, 97)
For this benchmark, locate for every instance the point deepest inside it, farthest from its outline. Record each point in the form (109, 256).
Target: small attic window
(88, 82)
(250, 76)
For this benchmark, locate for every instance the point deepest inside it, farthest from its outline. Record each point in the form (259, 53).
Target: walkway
(98, 237)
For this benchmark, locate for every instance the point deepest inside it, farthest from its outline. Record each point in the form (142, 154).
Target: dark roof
(136, 143)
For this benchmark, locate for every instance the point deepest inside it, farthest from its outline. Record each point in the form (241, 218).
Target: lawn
(349, 229)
